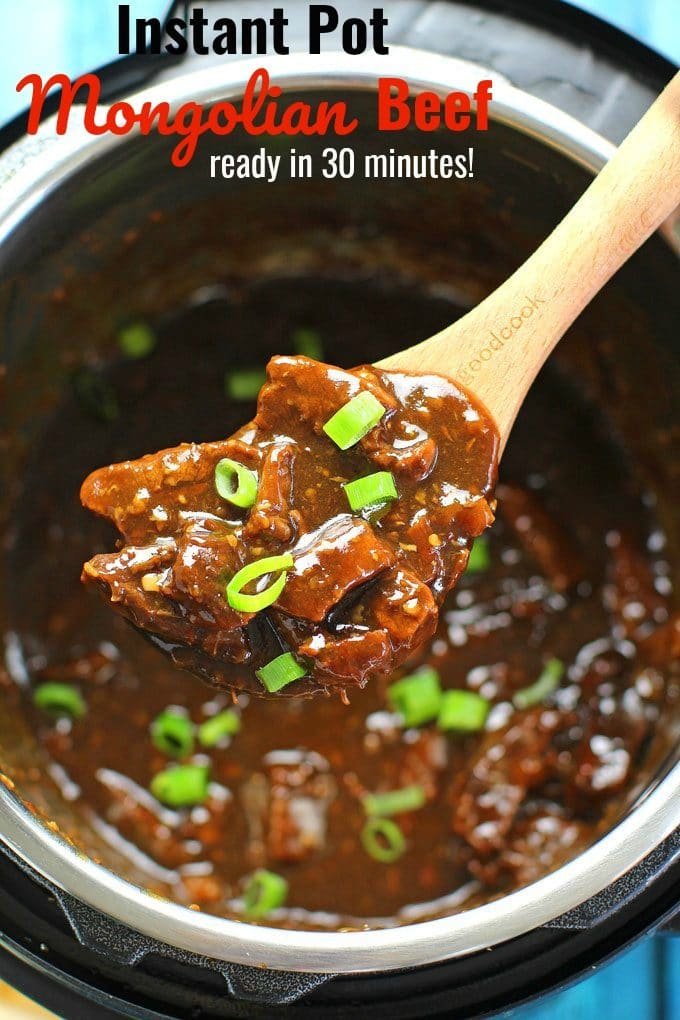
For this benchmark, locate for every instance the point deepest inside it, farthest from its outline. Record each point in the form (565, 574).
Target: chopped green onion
(417, 697)
(308, 342)
(244, 383)
(480, 558)
(370, 490)
(137, 340)
(173, 734)
(224, 724)
(60, 700)
(462, 710)
(409, 798)
(280, 672)
(354, 420)
(244, 603)
(264, 892)
(235, 483)
(383, 840)
(95, 395)
(552, 673)
(181, 786)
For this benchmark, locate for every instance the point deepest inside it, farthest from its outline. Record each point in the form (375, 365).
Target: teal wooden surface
(635, 986)
(75, 35)
(670, 976)
(656, 22)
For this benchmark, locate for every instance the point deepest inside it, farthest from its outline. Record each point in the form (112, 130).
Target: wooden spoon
(498, 348)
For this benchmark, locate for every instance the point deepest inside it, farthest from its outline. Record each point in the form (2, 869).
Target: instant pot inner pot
(131, 238)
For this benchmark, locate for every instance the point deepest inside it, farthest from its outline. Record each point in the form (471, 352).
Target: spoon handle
(498, 348)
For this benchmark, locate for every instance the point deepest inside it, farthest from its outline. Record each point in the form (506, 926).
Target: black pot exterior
(42, 958)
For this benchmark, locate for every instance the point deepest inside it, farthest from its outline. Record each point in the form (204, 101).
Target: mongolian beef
(354, 496)
(504, 744)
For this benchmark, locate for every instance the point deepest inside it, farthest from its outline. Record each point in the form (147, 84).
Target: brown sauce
(365, 581)
(576, 571)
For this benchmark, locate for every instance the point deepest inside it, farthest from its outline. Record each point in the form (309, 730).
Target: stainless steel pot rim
(31, 170)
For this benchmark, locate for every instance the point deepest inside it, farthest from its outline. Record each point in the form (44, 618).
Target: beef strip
(272, 516)
(621, 704)
(536, 844)
(149, 497)
(506, 766)
(542, 536)
(300, 791)
(403, 607)
(330, 563)
(581, 758)
(365, 588)
(350, 659)
(131, 580)
(207, 552)
(631, 596)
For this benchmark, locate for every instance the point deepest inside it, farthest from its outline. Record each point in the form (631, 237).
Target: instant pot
(80, 935)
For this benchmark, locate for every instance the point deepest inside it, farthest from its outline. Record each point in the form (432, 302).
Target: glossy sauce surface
(364, 584)
(576, 571)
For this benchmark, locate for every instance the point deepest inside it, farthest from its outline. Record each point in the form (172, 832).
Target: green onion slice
(136, 340)
(552, 673)
(383, 840)
(60, 700)
(241, 601)
(235, 483)
(244, 383)
(308, 342)
(173, 734)
(215, 729)
(379, 805)
(264, 892)
(462, 710)
(370, 490)
(354, 420)
(480, 559)
(417, 697)
(281, 671)
(181, 786)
